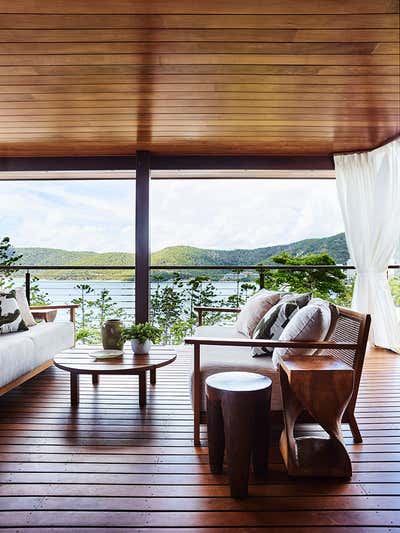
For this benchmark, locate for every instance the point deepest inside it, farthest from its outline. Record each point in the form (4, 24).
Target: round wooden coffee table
(77, 361)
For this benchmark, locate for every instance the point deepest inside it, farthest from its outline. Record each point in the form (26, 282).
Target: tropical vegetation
(175, 294)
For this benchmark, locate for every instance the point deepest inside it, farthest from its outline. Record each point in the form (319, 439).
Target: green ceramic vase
(111, 335)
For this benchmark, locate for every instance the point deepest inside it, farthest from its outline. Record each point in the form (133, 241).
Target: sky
(98, 215)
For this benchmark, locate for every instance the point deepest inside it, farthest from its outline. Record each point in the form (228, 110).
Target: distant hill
(188, 255)
(174, 256)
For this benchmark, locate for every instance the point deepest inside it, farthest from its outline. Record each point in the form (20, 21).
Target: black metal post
(28, 286)
(142, 237)
(262, 278)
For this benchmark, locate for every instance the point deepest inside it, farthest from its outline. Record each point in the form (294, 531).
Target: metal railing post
(262, 279)
(28, 286)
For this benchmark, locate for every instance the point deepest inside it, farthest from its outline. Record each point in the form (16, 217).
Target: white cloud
(238, 214)
(98, 215)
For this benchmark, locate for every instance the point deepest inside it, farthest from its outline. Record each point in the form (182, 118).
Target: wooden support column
(142, 237)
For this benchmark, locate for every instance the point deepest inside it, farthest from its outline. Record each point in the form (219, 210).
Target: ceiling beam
(158, 162)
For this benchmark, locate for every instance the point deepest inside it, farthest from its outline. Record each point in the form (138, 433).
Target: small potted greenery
(141, 336)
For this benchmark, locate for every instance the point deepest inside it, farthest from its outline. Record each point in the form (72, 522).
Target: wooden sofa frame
(351, 353)
(39, 309)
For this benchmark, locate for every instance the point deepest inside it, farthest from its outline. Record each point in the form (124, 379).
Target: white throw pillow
(23, 305)
(254, 309)
(314, 322)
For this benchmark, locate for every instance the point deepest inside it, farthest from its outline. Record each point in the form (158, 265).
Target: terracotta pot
(111, 335)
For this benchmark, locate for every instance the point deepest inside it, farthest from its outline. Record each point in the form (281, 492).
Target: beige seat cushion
(214, 359)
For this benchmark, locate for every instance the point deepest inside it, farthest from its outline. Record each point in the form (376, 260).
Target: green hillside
(50, 256)
(188, 255)
(174, 256)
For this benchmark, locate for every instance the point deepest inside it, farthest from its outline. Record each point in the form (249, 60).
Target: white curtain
(368, 186)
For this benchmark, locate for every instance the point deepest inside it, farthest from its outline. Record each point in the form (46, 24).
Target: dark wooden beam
(43, 164)
(239, 162)
(159, 162)
(142, 237)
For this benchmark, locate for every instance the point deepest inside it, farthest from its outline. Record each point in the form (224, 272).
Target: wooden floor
(112, 466)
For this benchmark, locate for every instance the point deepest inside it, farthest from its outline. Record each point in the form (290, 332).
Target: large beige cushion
(314, 322)
(214, 359)
(254, 309)
(23, 351)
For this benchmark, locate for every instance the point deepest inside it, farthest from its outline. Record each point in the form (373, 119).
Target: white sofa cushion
(17, 356)
(49, 338)
(254, 309)
(214, 359)
(23, 351)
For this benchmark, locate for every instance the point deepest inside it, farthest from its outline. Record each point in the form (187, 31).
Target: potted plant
(141, 336)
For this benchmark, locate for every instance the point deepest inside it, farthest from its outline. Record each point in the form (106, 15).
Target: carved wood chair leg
(355, 431)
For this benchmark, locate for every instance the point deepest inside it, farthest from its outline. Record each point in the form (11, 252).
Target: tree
(38, 297)
(85, 313)
(323, 283)
(106, 308)
(8, 258)
(395, 288)
(167, 307)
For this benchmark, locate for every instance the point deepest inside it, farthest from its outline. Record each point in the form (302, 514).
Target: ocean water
(122, 292)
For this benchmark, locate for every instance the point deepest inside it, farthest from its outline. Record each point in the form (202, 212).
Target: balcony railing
(174, 292)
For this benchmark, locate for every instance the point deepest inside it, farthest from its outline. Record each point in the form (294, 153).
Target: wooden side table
(238, 409)
(321, 385)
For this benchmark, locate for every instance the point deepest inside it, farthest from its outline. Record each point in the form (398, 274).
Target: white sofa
(26, 353)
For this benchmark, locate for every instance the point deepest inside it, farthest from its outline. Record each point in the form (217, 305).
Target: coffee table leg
(153, 376)
(142, 389)
(95, 379)
(74, 388)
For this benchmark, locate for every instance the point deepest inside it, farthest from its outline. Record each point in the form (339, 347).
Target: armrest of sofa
(320, 345)
(204, 309)
(40, 308)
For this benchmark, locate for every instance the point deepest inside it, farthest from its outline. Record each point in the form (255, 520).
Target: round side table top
(77, 360)
(239, 381)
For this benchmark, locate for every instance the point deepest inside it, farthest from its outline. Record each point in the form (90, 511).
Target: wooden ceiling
(278, 77)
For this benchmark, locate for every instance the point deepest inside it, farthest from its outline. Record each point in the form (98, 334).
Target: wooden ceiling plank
(270, 97)
(214, 21)
(226, 47)
(164, 105)
(195, 7)
(178, 70)
(200, 59)
(360, 88)
(192, 78)
(188, 35)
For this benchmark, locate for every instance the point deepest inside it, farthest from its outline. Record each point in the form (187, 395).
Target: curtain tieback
(370, 273)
